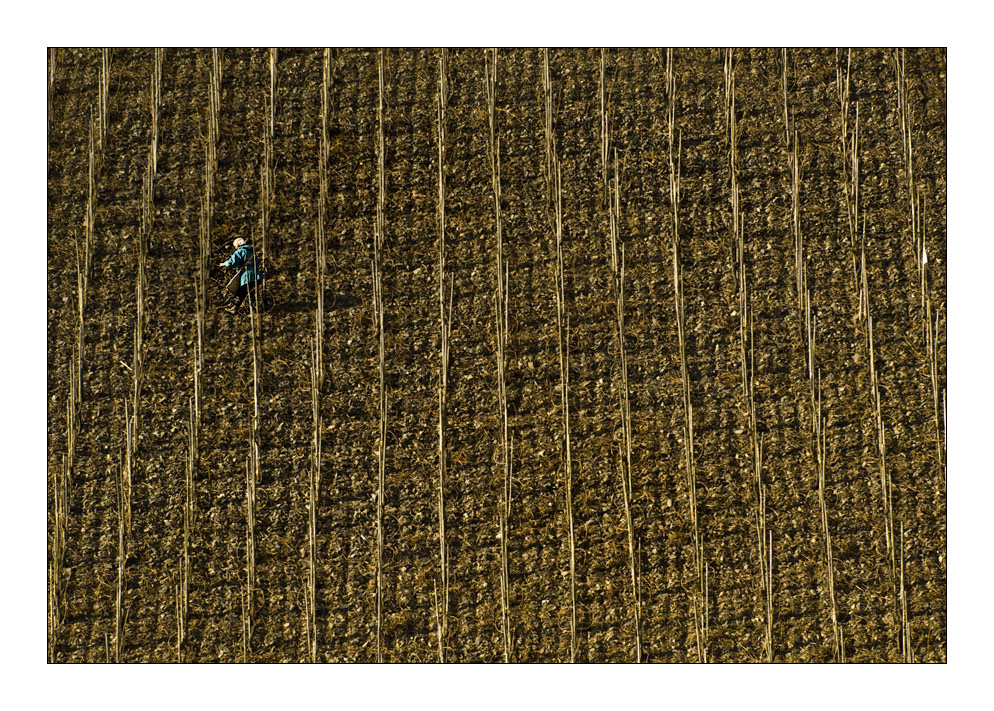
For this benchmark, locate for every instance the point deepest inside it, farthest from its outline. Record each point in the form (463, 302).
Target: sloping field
(686, 374)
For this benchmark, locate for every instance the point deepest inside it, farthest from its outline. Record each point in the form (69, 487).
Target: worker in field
(243, 259)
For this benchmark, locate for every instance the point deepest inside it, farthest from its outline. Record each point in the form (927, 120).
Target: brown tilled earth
(871, 595)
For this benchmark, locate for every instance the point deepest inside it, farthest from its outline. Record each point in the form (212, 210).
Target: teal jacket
(245, 257)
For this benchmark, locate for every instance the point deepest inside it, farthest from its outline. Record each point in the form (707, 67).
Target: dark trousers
(250, 289)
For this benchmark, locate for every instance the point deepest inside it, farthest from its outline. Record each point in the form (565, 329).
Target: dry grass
(502, 290)
(378, 310)
(554, 177)
(700, 596)
(444, 329)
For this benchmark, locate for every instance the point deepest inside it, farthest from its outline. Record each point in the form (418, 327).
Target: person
(244, 258)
